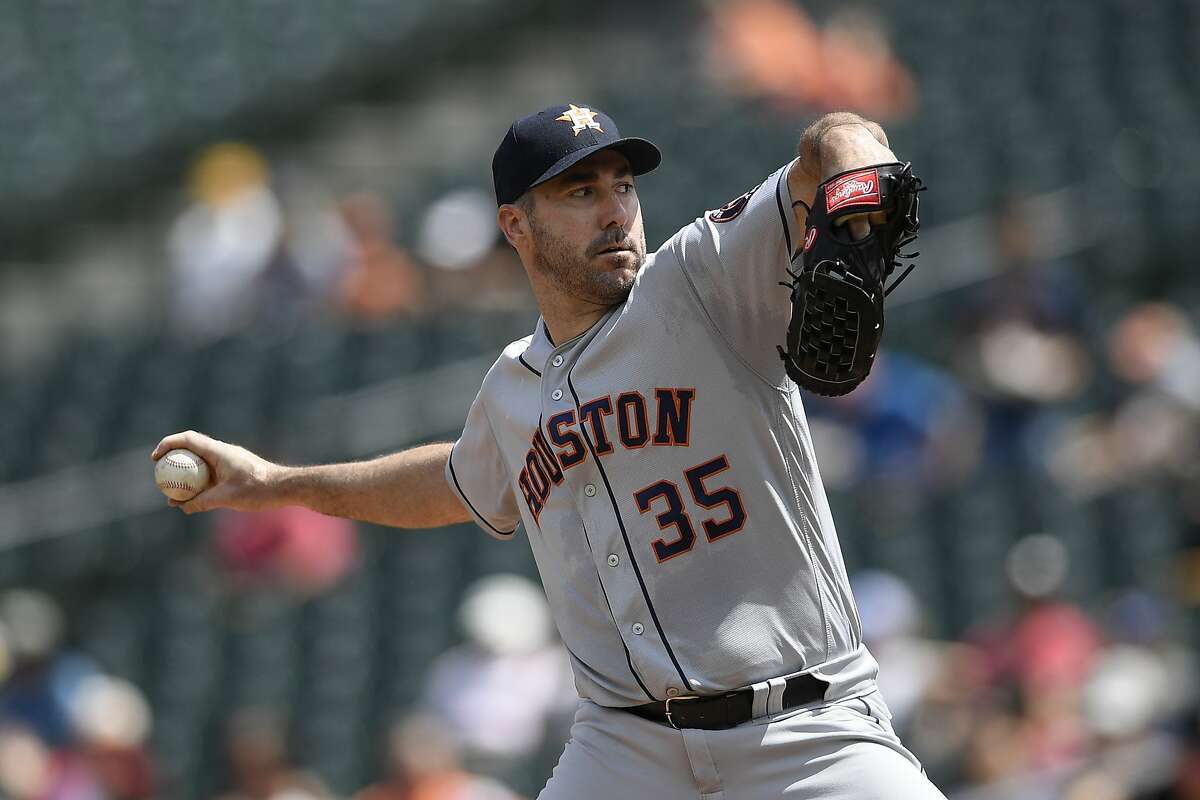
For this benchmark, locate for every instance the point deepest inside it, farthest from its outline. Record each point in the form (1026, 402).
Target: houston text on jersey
(634, 428)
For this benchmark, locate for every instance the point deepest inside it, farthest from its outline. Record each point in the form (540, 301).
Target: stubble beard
(574, 272)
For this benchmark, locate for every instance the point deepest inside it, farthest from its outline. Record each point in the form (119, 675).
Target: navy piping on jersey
(593, 669)
(521, 358)
(629, 661)
(625, 535)
(870, 713)
(457, 485)
(628, 658)
(787, 231)
(604, 591)
(608, 604)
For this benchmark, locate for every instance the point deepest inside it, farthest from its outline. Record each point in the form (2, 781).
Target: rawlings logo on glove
(855, 189)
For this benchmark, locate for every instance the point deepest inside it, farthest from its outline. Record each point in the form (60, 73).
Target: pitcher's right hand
(241, 480)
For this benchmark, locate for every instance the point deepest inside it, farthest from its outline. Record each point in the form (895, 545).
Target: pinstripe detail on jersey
(463, 495)
(625, 536)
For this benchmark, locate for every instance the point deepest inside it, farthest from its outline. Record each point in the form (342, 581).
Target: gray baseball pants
(842, 751)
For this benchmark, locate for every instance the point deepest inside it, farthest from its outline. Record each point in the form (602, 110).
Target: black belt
(723, 711)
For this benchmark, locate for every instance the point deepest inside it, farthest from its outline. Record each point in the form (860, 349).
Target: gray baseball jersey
(662, 467)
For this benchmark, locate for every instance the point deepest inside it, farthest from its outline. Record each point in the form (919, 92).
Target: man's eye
(625, 188)
(582, 191)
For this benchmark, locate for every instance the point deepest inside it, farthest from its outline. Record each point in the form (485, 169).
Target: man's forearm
(405, 490)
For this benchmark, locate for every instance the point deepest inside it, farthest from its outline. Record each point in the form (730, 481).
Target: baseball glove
(837, 297)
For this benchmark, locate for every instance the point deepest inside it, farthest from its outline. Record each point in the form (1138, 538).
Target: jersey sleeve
(734, 259)
(476, 473)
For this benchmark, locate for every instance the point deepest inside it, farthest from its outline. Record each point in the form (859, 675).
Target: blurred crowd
(773, 49)
(493, 704)
(1046, 701)
(255, 245)
(1050, 700)
(68, 730)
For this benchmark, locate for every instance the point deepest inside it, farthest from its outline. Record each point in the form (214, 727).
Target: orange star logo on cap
(580, 118)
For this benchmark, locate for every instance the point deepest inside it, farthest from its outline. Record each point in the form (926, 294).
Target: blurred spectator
(1043, 657)
(473, 267)
(996, 748)
(315, 237)
(239, 254)
(380, 280)
(1139, 622)
(932, 688)
(224, 242)
(1154, 348)
(908, 422)
(302, 550)
(458, 229)
(67, 732)
(500, 690)
(111, 721)
(423, 764)
(1095, 784)
(909, 664)
(956, 705)
(44, 679)
(1127, 690)
(29, 770)
(1155, 345)
(1154, 430)
(1184, 784)
(496, 281)
(772, 48)
(1051, 643)
(259, 764)
(1020, 345)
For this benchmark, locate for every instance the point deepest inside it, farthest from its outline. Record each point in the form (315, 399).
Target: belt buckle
(667, 707)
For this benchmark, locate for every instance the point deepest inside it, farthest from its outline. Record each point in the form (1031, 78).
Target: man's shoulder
(512, 368)
(515, 349)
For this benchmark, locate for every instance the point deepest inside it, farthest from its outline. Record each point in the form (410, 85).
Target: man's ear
(514, 224)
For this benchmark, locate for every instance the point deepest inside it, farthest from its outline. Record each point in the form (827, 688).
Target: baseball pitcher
(649, 437)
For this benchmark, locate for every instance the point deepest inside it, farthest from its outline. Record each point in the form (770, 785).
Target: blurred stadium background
(272, 221)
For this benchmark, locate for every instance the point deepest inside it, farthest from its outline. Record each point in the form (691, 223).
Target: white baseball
(181, 474)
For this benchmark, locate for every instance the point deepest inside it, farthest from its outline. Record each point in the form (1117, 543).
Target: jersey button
(613, 559)
(556, 394)
(590, 490)
(558, 361)
(672, 692)
(638, 628)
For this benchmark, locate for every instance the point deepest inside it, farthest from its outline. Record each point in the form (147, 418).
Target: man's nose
(614, 212)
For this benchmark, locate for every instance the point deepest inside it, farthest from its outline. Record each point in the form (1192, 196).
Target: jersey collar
(541, 347)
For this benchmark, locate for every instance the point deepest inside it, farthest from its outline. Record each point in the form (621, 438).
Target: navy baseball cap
(542, 145)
